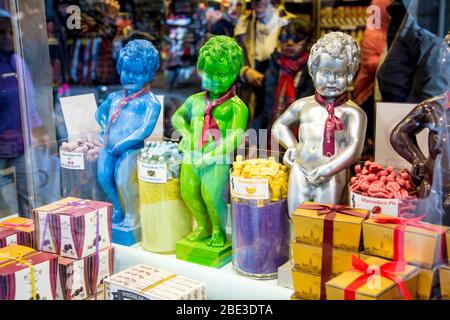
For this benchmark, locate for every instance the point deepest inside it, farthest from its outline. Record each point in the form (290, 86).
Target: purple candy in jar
(261, 237)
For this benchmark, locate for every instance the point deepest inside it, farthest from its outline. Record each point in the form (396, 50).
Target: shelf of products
(221, 283)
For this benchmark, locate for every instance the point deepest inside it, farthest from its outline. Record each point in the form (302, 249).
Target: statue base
(200, 253)
(126, 236)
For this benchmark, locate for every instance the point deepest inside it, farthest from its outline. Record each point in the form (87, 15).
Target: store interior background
(178, 28)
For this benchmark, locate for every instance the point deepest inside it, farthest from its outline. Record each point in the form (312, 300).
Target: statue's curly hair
(338, 45)
(141, 49)
(221, 48)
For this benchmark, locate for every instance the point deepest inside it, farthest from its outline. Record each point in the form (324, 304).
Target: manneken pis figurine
(212, 124)
(127, 118)
(431, 174)
(331, 128)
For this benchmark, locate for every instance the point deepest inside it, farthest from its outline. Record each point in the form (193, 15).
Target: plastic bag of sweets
(261, 230)
(165, 219)
(383, 190)
(79, 160)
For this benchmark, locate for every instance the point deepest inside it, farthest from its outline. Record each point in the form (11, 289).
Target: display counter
(221, 284)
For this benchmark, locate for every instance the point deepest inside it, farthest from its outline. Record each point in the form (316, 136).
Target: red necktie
(123, 103)
(210, 123)
(332, 123)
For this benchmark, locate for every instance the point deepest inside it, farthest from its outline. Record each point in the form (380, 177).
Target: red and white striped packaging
(17, 230)
(83, 279)
(73, 228)
(16, 279)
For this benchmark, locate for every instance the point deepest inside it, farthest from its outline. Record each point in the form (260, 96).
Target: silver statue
(331, 128)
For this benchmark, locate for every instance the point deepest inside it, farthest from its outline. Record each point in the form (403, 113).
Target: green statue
(212, 125)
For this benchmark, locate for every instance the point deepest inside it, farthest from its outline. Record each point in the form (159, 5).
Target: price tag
(154, 173)
(250, 189)
(72, 160)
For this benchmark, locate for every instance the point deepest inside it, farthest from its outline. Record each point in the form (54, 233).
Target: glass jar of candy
(261, 227)
(165, 219)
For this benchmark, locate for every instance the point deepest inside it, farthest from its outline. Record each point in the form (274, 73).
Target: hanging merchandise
(260, 218)
(165, 219)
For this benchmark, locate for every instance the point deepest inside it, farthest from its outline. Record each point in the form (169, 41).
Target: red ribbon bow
(210, 122)
(123, 103)
(327, 240)
(386, 270)
(332, 123)
(399, 232)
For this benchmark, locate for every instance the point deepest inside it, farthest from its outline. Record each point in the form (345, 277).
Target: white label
(154, 173)
(45, 239)
(12, 239)
(72, 160)
(388, 207)
(251, 189)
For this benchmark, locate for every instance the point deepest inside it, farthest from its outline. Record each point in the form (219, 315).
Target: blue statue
(127, 118)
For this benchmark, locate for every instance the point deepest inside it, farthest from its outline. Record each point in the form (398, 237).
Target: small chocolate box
(17, 230)
(142, 282)
(73, 228)
(82, 279)
(27, 274)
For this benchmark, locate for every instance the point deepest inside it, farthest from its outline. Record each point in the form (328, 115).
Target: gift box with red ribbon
(325, 238)
(17, 230)
(403, 239)
(374, 279)
(427, 282)
(83, 279)
(73, 228)
(27, 274)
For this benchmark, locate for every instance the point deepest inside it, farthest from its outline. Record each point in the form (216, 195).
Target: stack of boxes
(330, 257)
(312, 270)
(420, 245)
(79, 232)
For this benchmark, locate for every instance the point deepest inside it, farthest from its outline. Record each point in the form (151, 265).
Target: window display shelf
(221, 284)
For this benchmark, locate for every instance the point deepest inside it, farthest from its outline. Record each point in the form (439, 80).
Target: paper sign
(79, 116)
(250, 189)
(388, 115)
(388, 207)
(154, 173)
(72, 160)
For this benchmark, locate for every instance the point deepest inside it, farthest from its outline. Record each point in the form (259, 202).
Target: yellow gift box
(427, 281)
(422, 247)
(444, 275)
(309, 258)
(309, 225)
(376, 286)
(307, 285)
